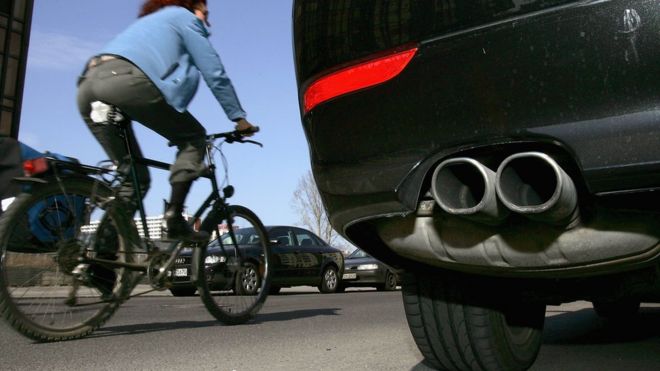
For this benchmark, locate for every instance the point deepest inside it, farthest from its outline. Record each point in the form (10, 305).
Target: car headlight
(214, 259)
(367, 267)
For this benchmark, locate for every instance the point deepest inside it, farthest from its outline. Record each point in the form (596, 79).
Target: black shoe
(179, 229)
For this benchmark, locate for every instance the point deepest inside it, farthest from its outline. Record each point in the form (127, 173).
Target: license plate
(181, 272)
(349, 276)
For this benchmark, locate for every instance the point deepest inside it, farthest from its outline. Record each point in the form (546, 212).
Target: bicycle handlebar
(235, 136)
(231, 137)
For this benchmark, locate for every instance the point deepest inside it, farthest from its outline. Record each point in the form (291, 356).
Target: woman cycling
(150, 72)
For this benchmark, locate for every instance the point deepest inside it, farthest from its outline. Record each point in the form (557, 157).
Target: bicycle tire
(234, 284)
(39, 295)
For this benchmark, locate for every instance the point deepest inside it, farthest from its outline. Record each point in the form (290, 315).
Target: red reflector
(356, 77)
(35, 166)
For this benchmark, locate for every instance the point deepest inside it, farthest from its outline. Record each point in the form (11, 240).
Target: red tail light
(353, 78)
(35, 166)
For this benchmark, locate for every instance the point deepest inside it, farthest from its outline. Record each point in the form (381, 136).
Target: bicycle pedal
(179, 230)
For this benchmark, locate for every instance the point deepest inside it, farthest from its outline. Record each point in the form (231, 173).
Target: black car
(299, 258)
(506, 154)
(363, 270)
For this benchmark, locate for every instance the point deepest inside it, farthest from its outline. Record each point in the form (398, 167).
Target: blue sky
(254, 41)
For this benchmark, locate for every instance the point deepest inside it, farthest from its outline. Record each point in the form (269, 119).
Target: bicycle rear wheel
(45, 292)
(235, 269)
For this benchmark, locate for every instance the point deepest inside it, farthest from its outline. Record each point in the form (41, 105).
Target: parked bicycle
(55, 284)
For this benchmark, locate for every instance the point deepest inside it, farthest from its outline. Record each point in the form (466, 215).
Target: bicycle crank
(156, 268)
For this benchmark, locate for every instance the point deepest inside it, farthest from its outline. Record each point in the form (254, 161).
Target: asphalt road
(304, 330)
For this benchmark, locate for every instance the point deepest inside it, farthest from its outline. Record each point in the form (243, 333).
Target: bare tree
(307, 203)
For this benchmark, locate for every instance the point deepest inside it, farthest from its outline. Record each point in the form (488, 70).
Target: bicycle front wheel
(46, 293)
(234, 270)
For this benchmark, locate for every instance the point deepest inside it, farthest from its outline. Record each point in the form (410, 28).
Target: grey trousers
(118, 82)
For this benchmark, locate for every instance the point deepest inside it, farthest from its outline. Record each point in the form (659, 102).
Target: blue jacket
(172, 48)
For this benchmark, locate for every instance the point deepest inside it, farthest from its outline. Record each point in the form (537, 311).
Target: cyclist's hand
(244, 126)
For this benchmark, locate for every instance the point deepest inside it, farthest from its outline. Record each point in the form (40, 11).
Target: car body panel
(312, 255)
(284, 257)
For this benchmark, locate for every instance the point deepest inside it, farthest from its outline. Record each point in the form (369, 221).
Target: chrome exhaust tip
(534, 185)
(465, 187)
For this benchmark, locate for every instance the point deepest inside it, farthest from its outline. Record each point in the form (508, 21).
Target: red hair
(151, 6)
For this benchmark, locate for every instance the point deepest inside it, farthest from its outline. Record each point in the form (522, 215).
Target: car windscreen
(244, 236)
(359, 254)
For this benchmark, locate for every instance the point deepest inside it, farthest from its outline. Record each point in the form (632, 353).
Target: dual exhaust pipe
(530, 183)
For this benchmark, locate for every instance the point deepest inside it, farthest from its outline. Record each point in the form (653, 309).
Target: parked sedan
(300, 258)
(363, 270)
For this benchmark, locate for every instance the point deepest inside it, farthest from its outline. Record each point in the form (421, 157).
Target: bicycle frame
(215, 200)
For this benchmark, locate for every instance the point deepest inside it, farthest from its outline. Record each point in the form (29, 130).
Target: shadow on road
(581, 340)
(585, 341)
(347, 292)
(294, 315)
(421, 367)
(585, 327)
(144, 328)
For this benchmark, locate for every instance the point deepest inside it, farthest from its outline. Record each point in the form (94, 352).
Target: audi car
(363, 270)
(504, 154)
(299, 258)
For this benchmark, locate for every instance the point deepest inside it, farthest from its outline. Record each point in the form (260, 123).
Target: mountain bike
(72, 252)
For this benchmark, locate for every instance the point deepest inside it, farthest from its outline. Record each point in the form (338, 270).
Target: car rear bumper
(362, 278)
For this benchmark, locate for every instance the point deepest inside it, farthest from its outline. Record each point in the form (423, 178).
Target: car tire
(389, 284)
(329, 280)
(621, 309)
(247, 279)
(340, 288)
(457, 326)
(183, 291)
